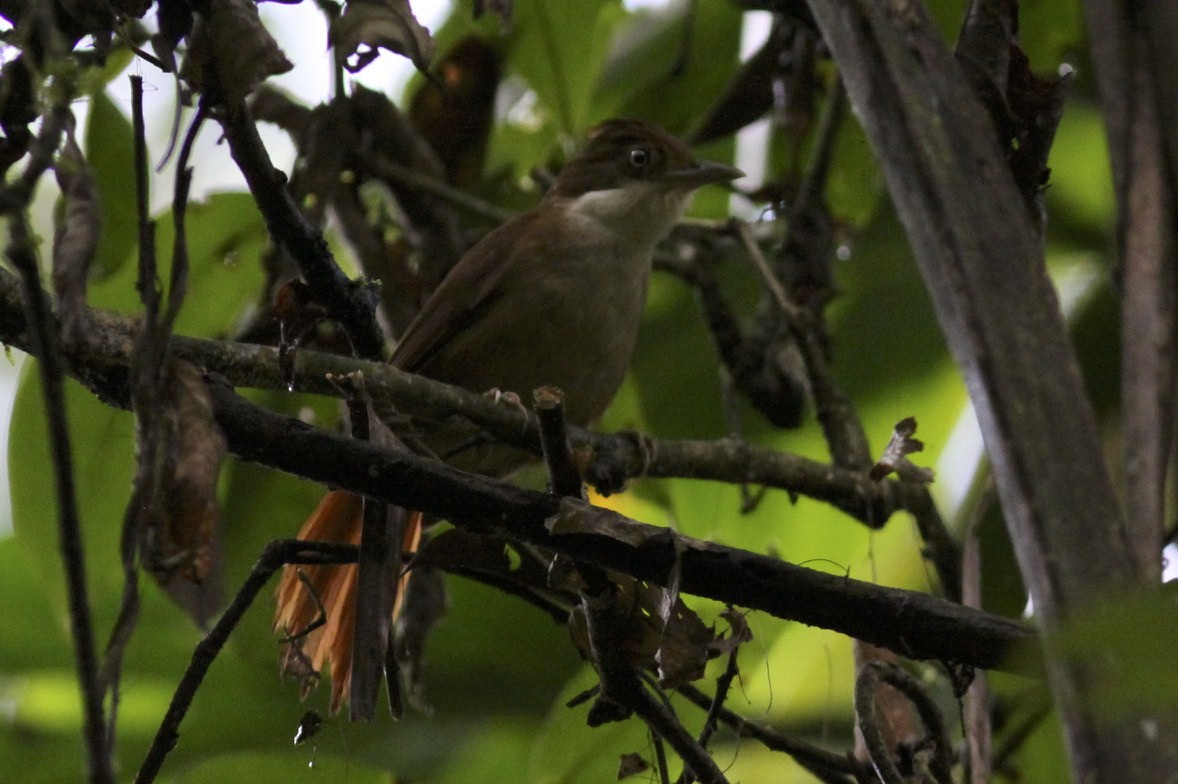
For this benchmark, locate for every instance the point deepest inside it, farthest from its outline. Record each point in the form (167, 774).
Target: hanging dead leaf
(75, 240)
(174, 496)
(425, 605)
(677, 647)
(232, 47)
(375, 25)
(631, 765)
(895, 456)
(738, 633)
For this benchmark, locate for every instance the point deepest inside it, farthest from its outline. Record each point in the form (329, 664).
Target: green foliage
(500, 673)
(110, 153)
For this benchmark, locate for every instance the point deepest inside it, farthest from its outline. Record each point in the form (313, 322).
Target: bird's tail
(329, 593)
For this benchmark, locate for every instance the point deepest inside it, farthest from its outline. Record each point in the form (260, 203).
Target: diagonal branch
(350, 303)
(101, 365)
(911, 623)
(982, 262)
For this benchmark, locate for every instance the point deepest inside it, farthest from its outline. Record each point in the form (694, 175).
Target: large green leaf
(557, 47)
(111, 154)
(225, 236)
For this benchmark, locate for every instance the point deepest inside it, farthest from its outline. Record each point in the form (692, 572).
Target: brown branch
(1133, 72)
(982, 260)
(616, 458)
(563, 478)
(44, 337)
(351, 304)
(913, 624)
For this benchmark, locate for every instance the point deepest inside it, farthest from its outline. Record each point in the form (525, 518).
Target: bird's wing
(470, 288)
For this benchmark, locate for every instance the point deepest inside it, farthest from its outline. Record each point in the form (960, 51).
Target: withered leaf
(684, 648)
(379, 24)
(297, 665)
(631, 765)
(895, 456)
(739, 633)
(232, 46)
(425, 605)
(75, 241)
(174, 497)
(677, 648)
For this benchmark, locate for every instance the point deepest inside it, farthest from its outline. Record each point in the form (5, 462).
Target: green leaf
(226, 236)
(557, 47)
(110, 151)
(102, 454)
(1124, 645)
(272, 767)
(646, 77)
(568, 751)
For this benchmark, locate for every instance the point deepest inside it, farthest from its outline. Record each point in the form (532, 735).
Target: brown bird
(552, 297)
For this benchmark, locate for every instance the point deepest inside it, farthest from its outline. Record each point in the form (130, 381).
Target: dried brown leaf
(174, 497)
(425, 605)
(75, 240)
(233, 48)
(677, 648)
(631, 765)
(379, 24)
(738, 634)
(895, 456)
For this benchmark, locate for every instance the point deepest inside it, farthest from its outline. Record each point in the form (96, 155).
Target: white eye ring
(639, 157)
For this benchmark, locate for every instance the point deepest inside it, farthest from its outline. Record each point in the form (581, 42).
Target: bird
(552, 297)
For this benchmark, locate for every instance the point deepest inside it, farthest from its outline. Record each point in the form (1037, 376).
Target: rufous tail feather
(338, 518)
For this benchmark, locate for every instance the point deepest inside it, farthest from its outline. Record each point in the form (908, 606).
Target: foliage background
(499, 673)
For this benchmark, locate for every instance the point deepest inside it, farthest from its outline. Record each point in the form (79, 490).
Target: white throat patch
(642, 211)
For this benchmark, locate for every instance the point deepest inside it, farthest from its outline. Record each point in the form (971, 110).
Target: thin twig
(246, 365)
(274, 557)
(660, 758)
(44, 344)
(45, 347)
(143, 373)
(813, 758)
(352, 304)
(712, 720)
(178, 286)
(385, 169)
(841, 426)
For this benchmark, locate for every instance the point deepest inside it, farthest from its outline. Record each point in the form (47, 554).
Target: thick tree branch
(1143, 148)
(617, 458)
(913, 624)
(982, 261)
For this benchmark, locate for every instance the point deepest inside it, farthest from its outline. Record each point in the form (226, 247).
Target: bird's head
(635, 178)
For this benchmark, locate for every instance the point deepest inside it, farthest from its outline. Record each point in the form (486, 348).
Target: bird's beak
(702, 173)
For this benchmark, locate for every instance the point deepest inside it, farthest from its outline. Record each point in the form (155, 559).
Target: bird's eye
(639, 157)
